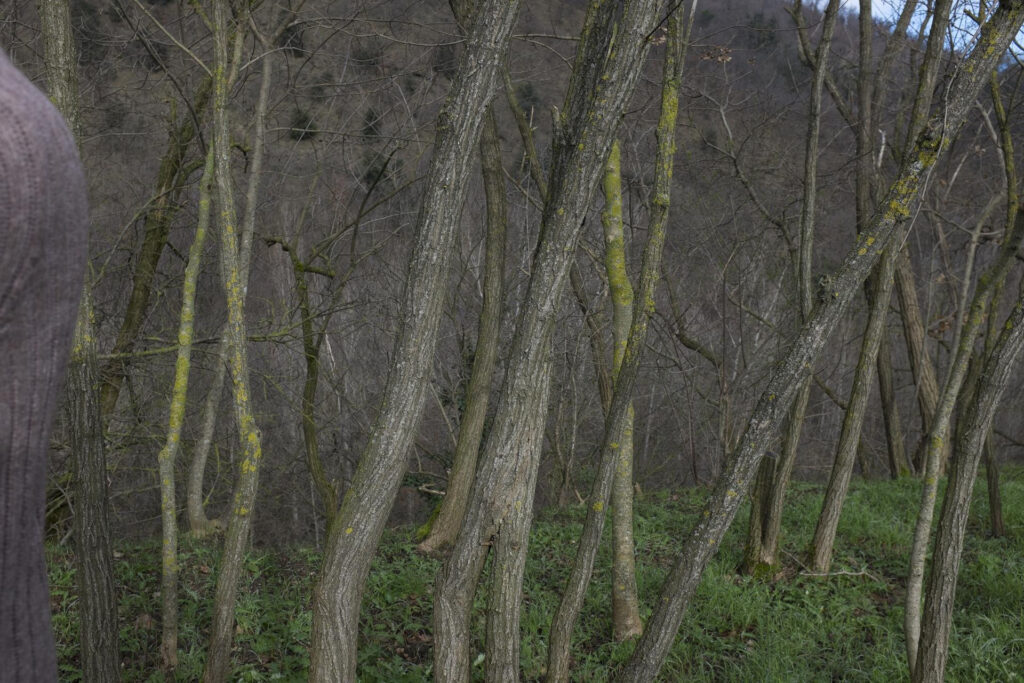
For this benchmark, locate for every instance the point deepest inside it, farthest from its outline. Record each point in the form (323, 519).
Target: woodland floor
(847, 626)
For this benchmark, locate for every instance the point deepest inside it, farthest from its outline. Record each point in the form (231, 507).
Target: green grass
(847, 626)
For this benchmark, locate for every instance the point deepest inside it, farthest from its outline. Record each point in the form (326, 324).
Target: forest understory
(792, 626)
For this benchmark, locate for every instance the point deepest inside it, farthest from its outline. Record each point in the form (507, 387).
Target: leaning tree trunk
(938, 611)
(853, 420)
(718, 513)
(920, 362)
(98, 635)
(607, 65)
(989, 284)
(936, 442)
(995, 504)
(761, 554)
(445, 528)
(359, 523)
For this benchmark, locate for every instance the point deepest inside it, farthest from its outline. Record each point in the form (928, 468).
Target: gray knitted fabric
(43, 223)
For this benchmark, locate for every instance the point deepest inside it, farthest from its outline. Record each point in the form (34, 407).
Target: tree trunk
(176, 419)
(995, 502)
(445, 528)
(760, 557)
(763, 558)
(899, 465)
(702, 543)
(920, 362)
(866, 183)
(501, 662)
(938, 611)
(618, 422)
(602, 81)
(198, 523)
(988, 283)
(625, 608)
(853, 420)
(98, 632)
(98, 636)
(234, 251)
(356, 530)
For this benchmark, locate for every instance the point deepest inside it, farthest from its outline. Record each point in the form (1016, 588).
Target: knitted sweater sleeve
(43, 229)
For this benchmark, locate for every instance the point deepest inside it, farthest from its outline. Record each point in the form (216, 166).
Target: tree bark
(920, 362)
(603, 79)
(501, 662)
(989, 284)
(739, 469)
(356, 530)
(176, 419)
(899, 465)
(625, 607)
(618, 420)
(198, 523)
(760, 557)
(849, 438)
(445, 528)
(234, 252)
(763, 557)
(938, 611)
(98, 633)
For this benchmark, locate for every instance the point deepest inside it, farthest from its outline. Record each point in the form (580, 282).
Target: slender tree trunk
(602, 81)
(445, 528)
(899, 465)
(920, 362)
(626, 621)
(618, 420)
(997, 527)
(98, 632)
(736, 477)
(936, 442)
(849, 438)
(98, 636)
(176, 419)
(865, 187)
(356, 530)
(988, 283)
(938, 611)
(995, 505)
(763, 557)
(760, 557)
(234, 247)
(198, 523)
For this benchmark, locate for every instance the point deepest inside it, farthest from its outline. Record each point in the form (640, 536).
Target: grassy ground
(795, 628)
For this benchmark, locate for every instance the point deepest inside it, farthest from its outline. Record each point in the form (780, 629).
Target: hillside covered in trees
(451, 265)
